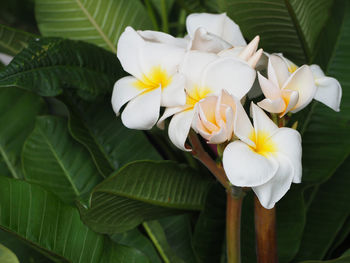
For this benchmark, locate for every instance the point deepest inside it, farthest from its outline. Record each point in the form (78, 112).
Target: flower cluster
(203, 79)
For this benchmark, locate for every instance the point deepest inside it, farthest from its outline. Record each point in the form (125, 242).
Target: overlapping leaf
(99, 22)
(288, 26)
(12, 41)
(18, 110)
(143, 191)
(54, 160)
(49, 65)
(43, 220)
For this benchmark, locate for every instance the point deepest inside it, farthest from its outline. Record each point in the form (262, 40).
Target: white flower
(218, 117)
(328, 91)
(153, 62)
(287, 89)
(266, 158)
(206, 74)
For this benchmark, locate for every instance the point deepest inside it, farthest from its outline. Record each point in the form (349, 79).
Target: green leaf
(111, 144)
(12, 41)
(50, 65)
(326, 141)
(288, 26)
(178, 232)
(326, 215)
(18, 110)
(7, 256)
(156, 232)
(134, 238)
(342, 259)
(99, 22)
(52, 159)
(209, 231)
(40, 218)
(141, 191)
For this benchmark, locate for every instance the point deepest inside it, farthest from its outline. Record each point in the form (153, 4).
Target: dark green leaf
(134, 238)
(326, 215)
(288, 26)
(110, 143)
(49, 65)
(326, 141)
(209, 232)
(141, 191)
(12, 41)
(18, 110)
(99, 22)
(343, 259)
(54, 160)
(40, 218)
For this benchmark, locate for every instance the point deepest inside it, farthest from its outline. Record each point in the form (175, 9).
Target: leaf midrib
(66, 173)
(96, 26)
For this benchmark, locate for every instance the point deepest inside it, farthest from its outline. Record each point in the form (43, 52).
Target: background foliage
(77, 186)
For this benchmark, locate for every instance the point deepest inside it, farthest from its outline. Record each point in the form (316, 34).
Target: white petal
(158, 54)
(255, 91)
(193, 64)
(288, 142)
(142, 112)
(218, 137)
(128, 52)
(207, 42)
(174, 94)
(273, 106)
(291, 97)
(245, 167)
(233, 75)
(167, 113)
(261, 121)
(160, 37)
(278, 70)
(231, 52)
(269, 88)
(179, 128)
(273, 190)
(317, 71)
(303, 82)
(218, 24)
(123, 91)
(328, 92)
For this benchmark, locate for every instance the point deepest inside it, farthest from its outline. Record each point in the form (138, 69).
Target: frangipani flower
(206, 74)
(266, 158)
(328, 91)
(218, 117)
(287, 89)
(155, 80)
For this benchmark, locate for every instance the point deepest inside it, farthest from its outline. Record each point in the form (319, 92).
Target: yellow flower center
(263, 143)
(292, 68)
(157, 77)
(196, 94)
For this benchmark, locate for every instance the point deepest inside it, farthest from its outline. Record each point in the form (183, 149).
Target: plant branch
(265, 231)
(199, 153)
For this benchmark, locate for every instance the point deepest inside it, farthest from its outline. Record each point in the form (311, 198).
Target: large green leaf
(12, 41)
(99, 22)
(18, 110)
(54, 160)
(49, 65)
(288, 26)
(326, 215)
(141, 191)
(343, 259)
(40, 218)
(7, 256)
(134, 238)
(111, 144)
(209, 231)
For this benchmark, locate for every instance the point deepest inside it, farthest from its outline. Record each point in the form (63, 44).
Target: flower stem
(265, 231)
(199, 153)
(233, 227)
